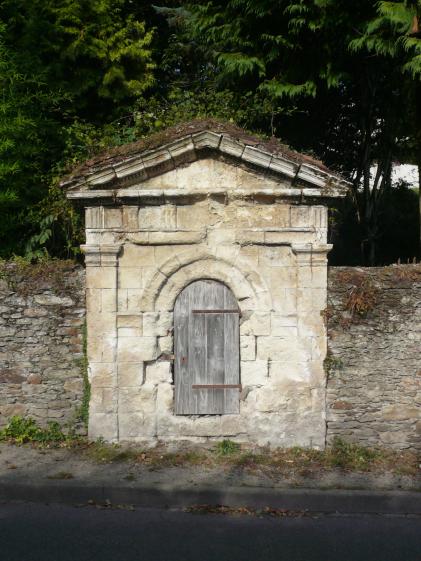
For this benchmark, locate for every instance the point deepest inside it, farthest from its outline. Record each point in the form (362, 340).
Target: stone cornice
(109, 181)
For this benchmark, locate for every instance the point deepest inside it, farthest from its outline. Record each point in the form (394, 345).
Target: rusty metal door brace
(217, 387)
(215, 311)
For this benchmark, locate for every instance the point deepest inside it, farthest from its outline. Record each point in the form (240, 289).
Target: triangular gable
(114, 176)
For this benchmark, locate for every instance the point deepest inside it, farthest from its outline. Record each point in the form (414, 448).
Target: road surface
(36, 532)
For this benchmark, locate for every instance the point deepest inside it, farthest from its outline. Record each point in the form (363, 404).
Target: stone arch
(180, 270)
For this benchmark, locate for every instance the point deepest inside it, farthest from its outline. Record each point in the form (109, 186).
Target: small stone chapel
(206, 277)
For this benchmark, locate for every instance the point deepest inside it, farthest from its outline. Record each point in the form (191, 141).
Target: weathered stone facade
(374, 363)
(42, 311)
(207, 206)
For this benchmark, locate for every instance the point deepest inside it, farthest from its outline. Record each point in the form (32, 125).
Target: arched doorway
(207, 350)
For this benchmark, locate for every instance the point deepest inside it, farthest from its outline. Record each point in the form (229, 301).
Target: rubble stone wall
(42, 313)
(373, 362)
(374, 357)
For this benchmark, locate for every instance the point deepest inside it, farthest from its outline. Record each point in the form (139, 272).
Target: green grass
(227, 448)
(304, 462)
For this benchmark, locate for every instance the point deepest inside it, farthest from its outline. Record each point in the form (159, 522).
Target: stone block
(165, 399)
(194, 217)
(301, 216)
(247, 347)
(283, 277)
(284, 331)
(113, 217)
(257, 324)
(276, 257)
(279, 320)
(138, 400)
(74, 385)
(279, 349)
(292, 371)
(311, 325)
(100, 324)
(284, 301)
(220, 236)
(137, 349)
(94, 299)
(122, 300)
(130, 277)
(250, 254)
(129, 332)
(134, 297)
(130, 217)
(101, 277)
(159, 372)
(137, 256)
(10, 410)
(53, 300)
(176, 237)
(129, 320)
(103, 400)
(400, 413)
(136, 427)
(130, 374)
(165, 345)
(94, 217)
(108, 300)
(103, 425)
(158, 217)
(269, 399)
(157, 323)
(102, 375)
(254, 373)
(102, 349)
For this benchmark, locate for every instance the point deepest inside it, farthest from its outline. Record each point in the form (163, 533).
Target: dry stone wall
(42, 311)
(374, 358)
(373, 364)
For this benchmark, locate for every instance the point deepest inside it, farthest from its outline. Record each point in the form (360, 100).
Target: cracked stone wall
(374, 362)
(374, 358)
(42, 312)
(270, 252)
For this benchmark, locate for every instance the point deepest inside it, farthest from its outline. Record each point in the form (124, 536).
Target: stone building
(206, 273)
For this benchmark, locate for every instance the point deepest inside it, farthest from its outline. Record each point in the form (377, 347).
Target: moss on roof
(120, 153)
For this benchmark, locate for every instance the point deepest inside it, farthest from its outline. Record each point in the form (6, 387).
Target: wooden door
(207, 350)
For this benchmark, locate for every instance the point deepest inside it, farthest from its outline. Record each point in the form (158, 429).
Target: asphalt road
(34, 532)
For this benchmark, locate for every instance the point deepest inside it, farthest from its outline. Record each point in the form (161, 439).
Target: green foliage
(79, 76)
(84, 408)
(92, 49)
(351, 456)
(389, 34)
(20, 430)
(227, 448)
(102, 452)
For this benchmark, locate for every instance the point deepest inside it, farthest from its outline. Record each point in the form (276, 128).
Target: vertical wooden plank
(232, 354)
(215, 346)
(181, 351)
(198, 338)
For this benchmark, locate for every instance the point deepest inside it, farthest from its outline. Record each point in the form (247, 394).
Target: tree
(66, 66)
(27, 137)
(395, 33)
(299, 53)
(94, 50)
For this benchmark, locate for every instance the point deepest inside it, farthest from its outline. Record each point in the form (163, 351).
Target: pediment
(204, 162)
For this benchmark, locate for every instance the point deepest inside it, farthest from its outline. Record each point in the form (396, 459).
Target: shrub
(21, 430)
